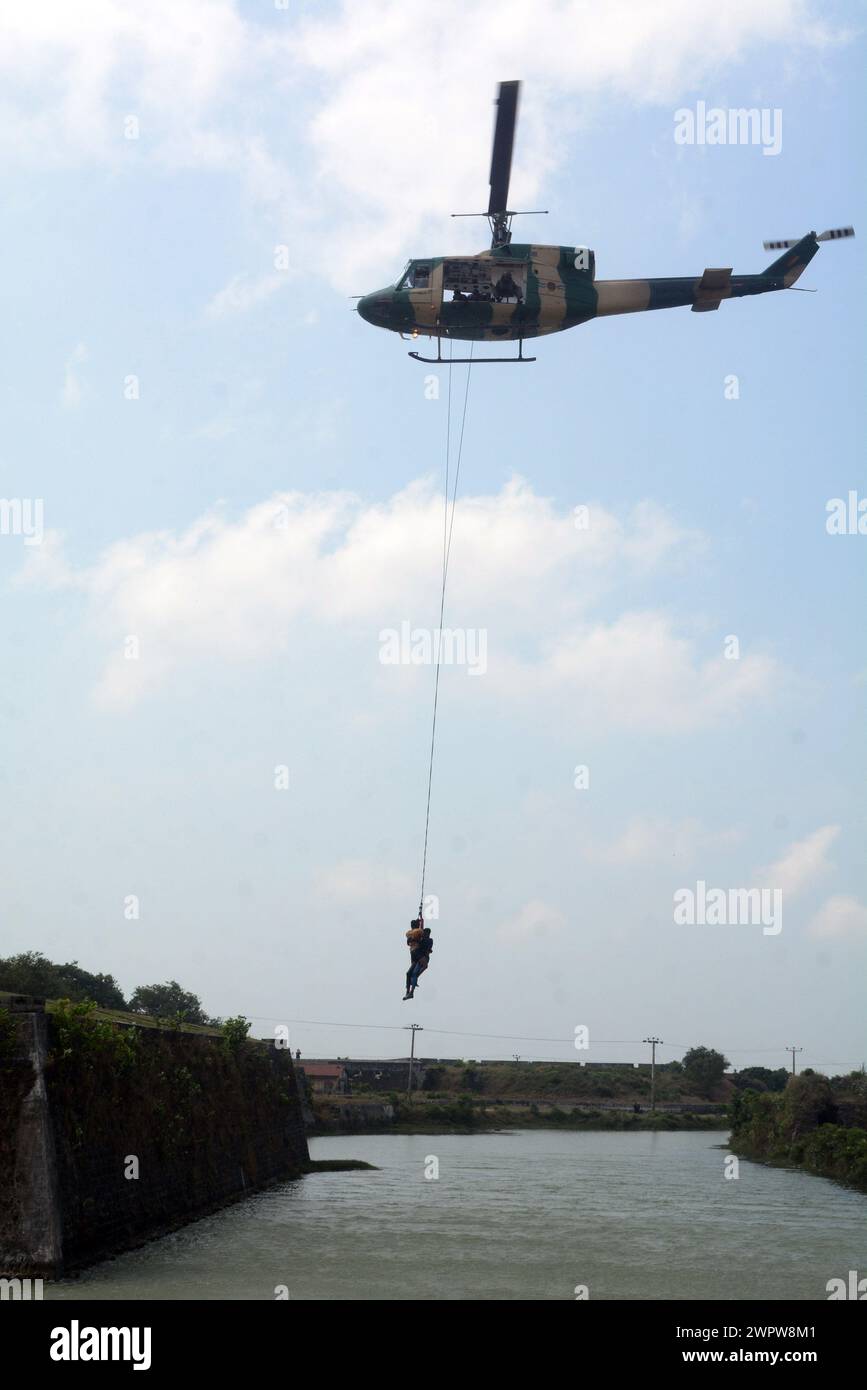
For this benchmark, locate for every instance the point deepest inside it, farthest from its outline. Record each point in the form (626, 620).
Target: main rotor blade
(504, 137)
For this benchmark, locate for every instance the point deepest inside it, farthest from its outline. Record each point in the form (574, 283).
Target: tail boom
(698, 292)
(707, 291)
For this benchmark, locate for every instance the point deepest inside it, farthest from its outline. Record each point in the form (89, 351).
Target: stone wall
(115, 1135)
(30, 1241)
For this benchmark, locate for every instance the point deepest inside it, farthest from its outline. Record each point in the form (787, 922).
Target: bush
(78, 1035)
(235, 1032)
(799, 1128)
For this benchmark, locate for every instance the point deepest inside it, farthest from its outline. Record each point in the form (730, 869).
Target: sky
(235, 486)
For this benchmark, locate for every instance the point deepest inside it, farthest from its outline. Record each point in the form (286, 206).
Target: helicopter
(514, 292)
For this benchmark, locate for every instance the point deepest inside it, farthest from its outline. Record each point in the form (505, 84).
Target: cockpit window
(415, 277)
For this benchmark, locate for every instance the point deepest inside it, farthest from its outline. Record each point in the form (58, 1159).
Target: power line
(444, 1032)
(505, 1037)
(687, 1046)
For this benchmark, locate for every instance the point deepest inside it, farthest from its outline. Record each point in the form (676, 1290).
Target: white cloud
(356, 882)
(47, 566)
(379, 117)
(351, 101)
(243, 292)
(803, 862)
(244, 590)
(637, 671)
(655, 841)
(73, 389)
(70, 79)
(838, 918)
(535, 919)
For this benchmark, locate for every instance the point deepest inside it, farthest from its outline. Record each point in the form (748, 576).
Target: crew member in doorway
(506, 288)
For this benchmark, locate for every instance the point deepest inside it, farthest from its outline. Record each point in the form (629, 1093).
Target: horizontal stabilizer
(713, 287)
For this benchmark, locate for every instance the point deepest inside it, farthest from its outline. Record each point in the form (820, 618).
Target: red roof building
(324, 1077)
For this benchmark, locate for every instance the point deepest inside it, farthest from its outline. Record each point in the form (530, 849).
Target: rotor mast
(499, 215)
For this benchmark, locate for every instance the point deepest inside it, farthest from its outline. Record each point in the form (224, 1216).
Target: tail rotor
(833, 234)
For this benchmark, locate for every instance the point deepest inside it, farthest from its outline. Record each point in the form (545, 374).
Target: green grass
(126, 1019)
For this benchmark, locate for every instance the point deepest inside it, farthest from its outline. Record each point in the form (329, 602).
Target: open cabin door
(482, 279)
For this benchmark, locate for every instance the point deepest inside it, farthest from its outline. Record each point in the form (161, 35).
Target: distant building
(372, 1075)
(385, 1076)
(326, 1078)
(621, 1066)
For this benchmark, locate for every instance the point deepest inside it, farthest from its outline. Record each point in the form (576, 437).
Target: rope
(448, 527)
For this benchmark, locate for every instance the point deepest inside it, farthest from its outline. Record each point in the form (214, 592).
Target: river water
(531, 1214)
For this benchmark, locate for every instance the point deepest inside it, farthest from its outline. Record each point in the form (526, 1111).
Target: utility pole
(516, 1056)
(793, 1050)
(654, 1042)
(415, 1028)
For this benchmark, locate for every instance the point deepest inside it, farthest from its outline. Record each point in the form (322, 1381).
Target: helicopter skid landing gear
(476, 361)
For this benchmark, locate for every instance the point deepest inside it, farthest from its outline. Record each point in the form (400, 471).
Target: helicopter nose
(374, 308)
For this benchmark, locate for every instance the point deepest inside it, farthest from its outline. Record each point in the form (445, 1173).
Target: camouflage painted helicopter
(513, 292)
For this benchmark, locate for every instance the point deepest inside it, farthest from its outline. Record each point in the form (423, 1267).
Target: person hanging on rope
(418, 937)
(424, 949)
(414, 940)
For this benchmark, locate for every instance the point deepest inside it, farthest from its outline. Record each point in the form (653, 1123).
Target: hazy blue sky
(271, 501)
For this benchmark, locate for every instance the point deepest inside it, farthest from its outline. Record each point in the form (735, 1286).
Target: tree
(703, 1068)
(854, 1083)
(167, 1001)
(32, 973)
(808, 1102)
(761, 1078)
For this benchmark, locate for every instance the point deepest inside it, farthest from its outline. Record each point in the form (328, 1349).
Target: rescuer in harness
(420, 943)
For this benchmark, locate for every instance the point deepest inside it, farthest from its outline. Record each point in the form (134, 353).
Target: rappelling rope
(448, 527)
